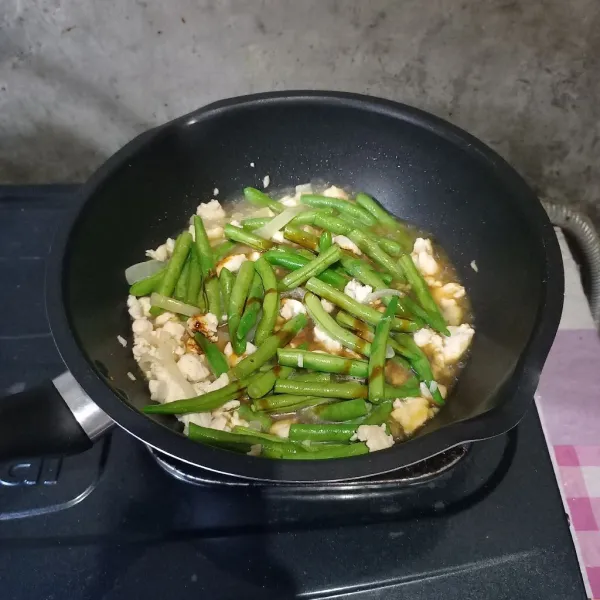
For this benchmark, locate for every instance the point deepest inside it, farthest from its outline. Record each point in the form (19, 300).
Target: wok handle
(52, 419)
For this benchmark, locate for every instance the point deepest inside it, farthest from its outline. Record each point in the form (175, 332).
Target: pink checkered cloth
(568, 401)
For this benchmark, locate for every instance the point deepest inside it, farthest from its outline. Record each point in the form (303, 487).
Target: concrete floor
(78, 78)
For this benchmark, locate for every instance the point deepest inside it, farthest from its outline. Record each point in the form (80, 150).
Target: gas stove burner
(420, 472)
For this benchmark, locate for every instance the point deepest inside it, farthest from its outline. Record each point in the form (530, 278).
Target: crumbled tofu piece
(255, 450)
(278, 237)
(192, 232)
(164, 318)
(206, 325)
(192, 368)
(167, 389)
(143, 349)
(232, 358)
(232, 263)
(282, 428)
(474, 266)
(375, 436)
(232, 404)
(220, 423)
(422, 256)
(346, 244)
(329, 343)
(335, 192)
(290, 201)
(236, 421)
(290, 308)
(266, 181)
(215, 233)
(170, 243)
(203, 387)
(304, 188)
(445, 349)
(252, 164)
(174, 329)
(411, 413)
(451, 311)
(134, 308)
(216, 192)
(146, 305)
(254, 256)
(141, 326)
(131, 376)
(357, 291)
(211, 211)
(159, 254)
(327, 306)
(122, 341)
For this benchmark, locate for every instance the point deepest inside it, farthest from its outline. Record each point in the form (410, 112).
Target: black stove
(118, 522)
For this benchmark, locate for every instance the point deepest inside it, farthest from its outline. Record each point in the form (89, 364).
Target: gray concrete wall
(78, 78)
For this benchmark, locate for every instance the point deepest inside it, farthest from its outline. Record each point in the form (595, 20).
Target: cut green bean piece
(253, 304)
(270, 306)
(301, 237)
(195, 278)
(380, 413)
(262, 200)
(237, 301)
(311, 269)
(378, 352)
(349, 208)
(279, 401)
(328, 363)
(242, 236)
(292, 260)
(325, 241)
(205, 252)
(222, 250)
(255, 416)
(321, 432)
(343, 411)
(215, 358)
(372, 249)
(226, 280)
(213, 296)
(330, 390)
(327, 451)
(144, 287)
(311, 377)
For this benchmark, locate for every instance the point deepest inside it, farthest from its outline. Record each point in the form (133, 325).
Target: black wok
(418, 166)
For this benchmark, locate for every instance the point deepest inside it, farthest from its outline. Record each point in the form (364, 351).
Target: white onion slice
(381, 293)
(165, 355)
(280, 221)
(172, 305)
(389, 352)
(140, 271)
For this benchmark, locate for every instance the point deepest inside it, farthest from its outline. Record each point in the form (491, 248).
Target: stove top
(112, 524)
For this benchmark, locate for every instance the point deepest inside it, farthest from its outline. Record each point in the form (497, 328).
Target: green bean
(255, 223)
(304, 218)
(330, 390)
(268, 437)
(378, 352)
(343, 411)
(326, 322)
(421, 291)
(144, 287)
(311, 269)
(252, 416)
(264, 384)
(409, 389)
(372, 249)
(226, 281)
(287, 401)
(301, 237)
(325, 241)
(292, 261)
(321, 432)
(380, 413)
(268, 349)
(202, 403)
(195, 279)
(216, 359)
(237, 301)
(326, 451)
(327, 363)
(368, 314)
(213, 296)
(251, 311)
(242, 236)
(261, 199)
(243, 435)
(270, 306)
(307, 402)
(205, 252)
(222, 250)
(353, 210)
(173, 270)
(311, 377)
(385, 218)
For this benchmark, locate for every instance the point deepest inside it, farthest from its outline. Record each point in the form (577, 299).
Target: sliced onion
(172, 305)
(140, 271)
(280, 221)
(381, 293)
(165, 355)
(389, 352)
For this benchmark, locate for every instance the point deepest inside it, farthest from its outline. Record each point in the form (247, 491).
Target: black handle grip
(38, 422)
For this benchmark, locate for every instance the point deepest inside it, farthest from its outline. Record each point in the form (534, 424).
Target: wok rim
(494, 422)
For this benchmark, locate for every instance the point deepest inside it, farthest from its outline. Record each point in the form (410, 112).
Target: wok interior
(416, 174)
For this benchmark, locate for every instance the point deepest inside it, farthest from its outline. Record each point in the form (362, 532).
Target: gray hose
(582, 229)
